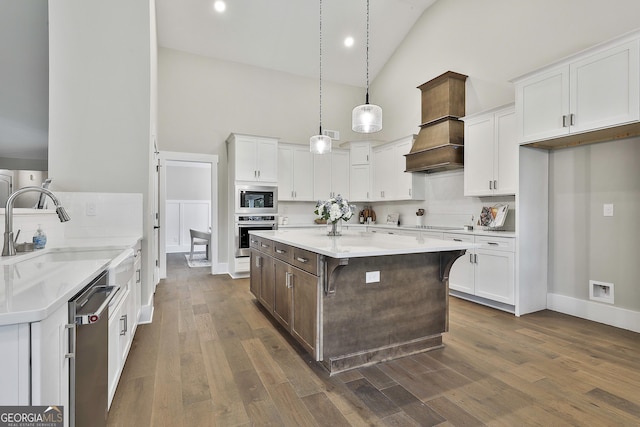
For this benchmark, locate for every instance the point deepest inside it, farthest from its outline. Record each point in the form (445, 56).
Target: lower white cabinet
(487, 271)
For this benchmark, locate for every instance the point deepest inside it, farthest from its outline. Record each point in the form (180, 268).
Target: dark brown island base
(357, 299)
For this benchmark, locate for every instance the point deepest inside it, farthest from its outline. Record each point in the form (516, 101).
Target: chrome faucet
(9, 249)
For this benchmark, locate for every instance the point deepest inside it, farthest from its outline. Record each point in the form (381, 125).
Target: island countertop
(357, 244)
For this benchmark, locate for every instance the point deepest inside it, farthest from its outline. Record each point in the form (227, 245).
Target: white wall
(101, 88)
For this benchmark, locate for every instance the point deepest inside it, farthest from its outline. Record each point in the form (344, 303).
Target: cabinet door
(495, 275)
(360, 183)
(461, 275)
(255, 273)
(302, 174)
(285, 173)
(321, 176)
(14, 364)
(282, 288)
(505, 167)
(478, 156)
(410, 186)
(604, 88)
(304, 325)
(267, 291)
(267, 160)
(245, 154)
(340, 173)
(541, 103)
(384, 169)
(360, 153)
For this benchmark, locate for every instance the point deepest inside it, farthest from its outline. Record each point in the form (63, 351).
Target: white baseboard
(595, 311)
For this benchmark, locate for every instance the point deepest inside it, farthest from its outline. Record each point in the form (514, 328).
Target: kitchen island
(356, 299)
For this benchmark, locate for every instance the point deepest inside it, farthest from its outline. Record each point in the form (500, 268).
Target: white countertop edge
(476, 231)
(355, 243)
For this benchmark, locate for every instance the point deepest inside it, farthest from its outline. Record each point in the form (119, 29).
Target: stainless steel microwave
(256, 199)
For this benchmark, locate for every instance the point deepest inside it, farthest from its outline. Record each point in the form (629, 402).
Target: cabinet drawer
(496, 243)
(282, 251)
(263, 245)
(467, 238)
(305, 260)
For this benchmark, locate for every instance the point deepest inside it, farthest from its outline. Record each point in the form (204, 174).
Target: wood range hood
(439, 145)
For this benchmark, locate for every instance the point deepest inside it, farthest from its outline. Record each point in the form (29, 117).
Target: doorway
(168, 159)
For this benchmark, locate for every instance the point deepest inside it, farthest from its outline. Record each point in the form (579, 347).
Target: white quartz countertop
(355, 244)
(477, 231)
(35, 284)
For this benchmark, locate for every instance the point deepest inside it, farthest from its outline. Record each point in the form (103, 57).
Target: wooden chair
(199, 238)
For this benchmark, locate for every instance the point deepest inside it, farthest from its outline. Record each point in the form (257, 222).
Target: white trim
(167, 156)
(594, 311)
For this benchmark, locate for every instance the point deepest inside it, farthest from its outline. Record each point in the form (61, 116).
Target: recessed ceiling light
(219, 6)
(348, 42)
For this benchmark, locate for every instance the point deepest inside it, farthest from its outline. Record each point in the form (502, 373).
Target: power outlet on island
(372, 277)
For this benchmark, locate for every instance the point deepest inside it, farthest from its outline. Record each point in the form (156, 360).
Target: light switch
(91, 209)
(607, 209)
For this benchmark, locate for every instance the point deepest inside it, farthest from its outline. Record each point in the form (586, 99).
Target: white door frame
(166, 156)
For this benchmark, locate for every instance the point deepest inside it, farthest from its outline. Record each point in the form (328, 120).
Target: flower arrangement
(334, 209)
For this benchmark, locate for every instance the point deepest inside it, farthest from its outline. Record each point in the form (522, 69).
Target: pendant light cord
(367, 95)
(320, 133)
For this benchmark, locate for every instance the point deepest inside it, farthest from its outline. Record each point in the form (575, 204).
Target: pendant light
(367, 118)
(320, 144)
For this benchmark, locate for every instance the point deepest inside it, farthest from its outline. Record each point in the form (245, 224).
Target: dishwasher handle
(97, 292)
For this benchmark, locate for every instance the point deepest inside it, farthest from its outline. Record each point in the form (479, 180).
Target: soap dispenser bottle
(40, 238)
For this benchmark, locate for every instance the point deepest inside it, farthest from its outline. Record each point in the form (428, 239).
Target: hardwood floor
(211, 357)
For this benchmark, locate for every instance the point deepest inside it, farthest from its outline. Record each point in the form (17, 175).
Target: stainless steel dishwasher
(88, 353)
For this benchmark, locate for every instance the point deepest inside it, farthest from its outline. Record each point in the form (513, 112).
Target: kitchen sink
(77, 254)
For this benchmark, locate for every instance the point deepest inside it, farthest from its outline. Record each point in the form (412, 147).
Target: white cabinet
(295, 173)
(589, 91)
(331, 175)
(360, 176)
(384, 172)
(487, 271)
(390, 181)
(490, 153)
(253, 158)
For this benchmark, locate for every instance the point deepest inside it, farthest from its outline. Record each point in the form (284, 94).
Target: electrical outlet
(372, 277)
(601, 291)
(607, 209)
(91, 209)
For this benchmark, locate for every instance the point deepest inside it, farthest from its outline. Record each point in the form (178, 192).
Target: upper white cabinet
(331, 175)
(253, 158)
(361, 172)
(295, 173)
(596, 89)
(490, 153)
(390, 181)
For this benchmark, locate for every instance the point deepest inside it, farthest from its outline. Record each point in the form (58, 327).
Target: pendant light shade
(367, 118)
(320, 144)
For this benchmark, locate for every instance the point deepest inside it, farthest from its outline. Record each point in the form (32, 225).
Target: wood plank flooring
(212, 357)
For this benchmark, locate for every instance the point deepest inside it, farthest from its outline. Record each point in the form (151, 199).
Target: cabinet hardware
(490, 187)
(564, 121)
(495, 184)
(288, 280)
(295, 194)
(254, 241)
(280, 251)
(300, 259)
(255, 174)
(291, 193)
(71, 328)
(123, 319)
(457, 240)
(263, 245)
(475, 258)
(492, 243)
(258, 261)
(471, 258)
(572, 119)
(409, 192)
(138, 275)
(258, 174)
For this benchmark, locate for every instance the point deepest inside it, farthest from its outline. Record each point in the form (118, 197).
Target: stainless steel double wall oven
(256, 208)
